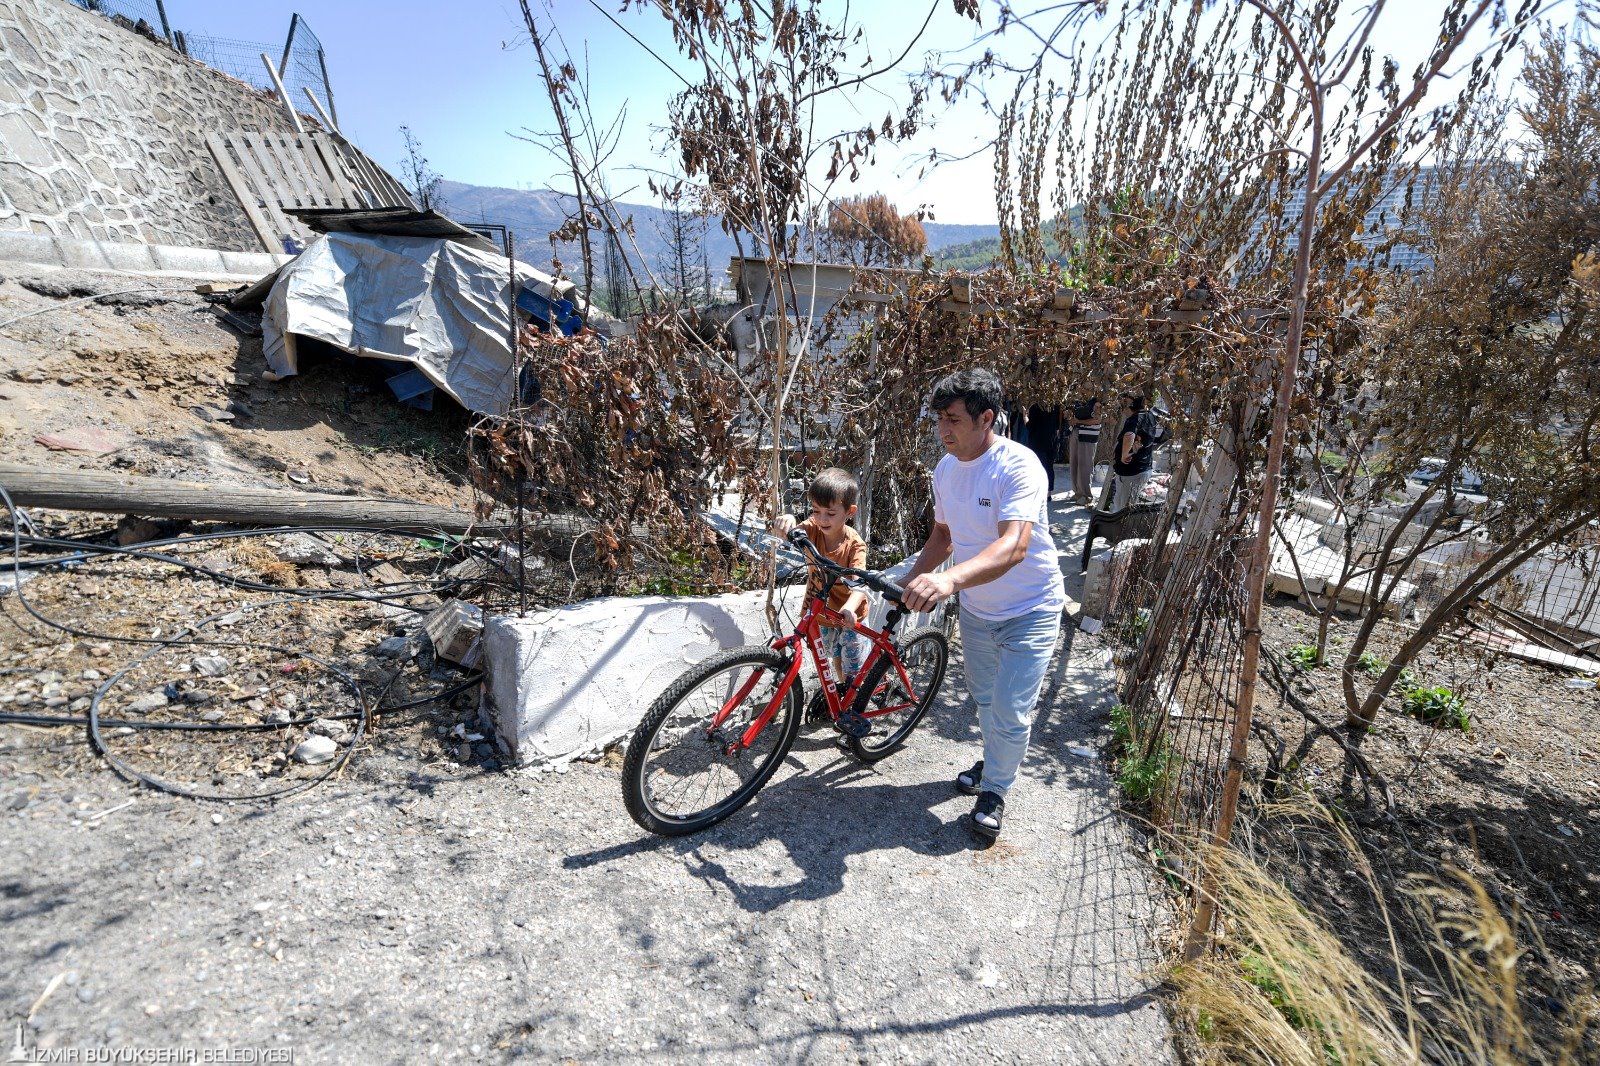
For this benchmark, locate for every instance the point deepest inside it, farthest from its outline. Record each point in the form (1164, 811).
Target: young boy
(833, 503)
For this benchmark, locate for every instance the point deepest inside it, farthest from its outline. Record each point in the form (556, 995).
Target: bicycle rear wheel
(891, 711)
(685, 770)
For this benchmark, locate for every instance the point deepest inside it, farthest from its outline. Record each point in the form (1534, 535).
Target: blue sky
(463, 78)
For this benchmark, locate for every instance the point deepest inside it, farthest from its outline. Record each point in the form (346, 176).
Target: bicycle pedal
(852, 724)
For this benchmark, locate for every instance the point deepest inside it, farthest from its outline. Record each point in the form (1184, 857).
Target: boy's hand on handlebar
(925, 591)
(782, 524)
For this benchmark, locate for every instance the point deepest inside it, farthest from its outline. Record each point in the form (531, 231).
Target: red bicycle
(718, 733)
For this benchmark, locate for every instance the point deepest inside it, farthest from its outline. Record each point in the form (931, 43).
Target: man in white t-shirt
(990, 518)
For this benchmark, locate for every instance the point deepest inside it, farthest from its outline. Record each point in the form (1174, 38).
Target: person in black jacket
(1135, 453)
(1044, 438)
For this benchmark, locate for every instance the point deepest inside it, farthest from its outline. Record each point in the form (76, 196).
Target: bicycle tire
(927, 641)
(638, 792)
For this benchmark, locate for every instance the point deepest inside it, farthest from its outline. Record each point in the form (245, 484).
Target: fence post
(288, 43)
(166, 27)
(327, 87)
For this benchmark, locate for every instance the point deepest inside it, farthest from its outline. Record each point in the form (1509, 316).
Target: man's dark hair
(834, 487)
(978, 388)
(1136, 401)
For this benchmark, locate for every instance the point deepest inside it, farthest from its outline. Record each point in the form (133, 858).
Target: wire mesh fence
(151, 12)
(300, 62)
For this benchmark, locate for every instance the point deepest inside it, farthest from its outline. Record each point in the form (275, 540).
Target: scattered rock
(299, 477)
(212, 666)
(90, 439)
(316, 749)
(302, 549)
(210, 414)
(332, 728)
(148, 702)
(134, 530)
(395, 648)
(215, 715)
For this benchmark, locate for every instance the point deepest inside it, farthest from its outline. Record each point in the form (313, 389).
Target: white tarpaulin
(438, 305)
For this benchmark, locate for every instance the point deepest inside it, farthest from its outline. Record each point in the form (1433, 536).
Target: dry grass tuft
(259, 559)
(1281, 989)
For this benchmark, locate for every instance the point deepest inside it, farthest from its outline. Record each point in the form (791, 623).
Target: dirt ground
(1514, 802)
(136, 365)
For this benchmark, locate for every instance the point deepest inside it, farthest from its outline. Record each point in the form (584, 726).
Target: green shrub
(1371, 664)
(1437, 706)
(1143, 777)
(1304, 657)
(1134, 627)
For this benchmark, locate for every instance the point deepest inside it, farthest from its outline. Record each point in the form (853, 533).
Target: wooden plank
(241, 189)
(261, 169)
(343, 192)
(365, 181)
(390, 193)
(386, 192)
(113, 493)
(307, 187)
(294, 192)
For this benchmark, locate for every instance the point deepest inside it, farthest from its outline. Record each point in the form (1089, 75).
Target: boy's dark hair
(834, 487)
(978, 388)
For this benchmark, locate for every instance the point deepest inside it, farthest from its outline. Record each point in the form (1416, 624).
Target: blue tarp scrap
(412, 388)
(559, 314)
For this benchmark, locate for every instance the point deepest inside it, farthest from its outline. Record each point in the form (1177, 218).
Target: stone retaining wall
(102, 133)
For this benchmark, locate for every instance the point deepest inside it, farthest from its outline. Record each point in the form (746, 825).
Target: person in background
(1135, 454)
(1044, 437)
(1085, 421)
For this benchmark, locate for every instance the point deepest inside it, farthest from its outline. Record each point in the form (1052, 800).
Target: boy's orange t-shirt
(851, 551)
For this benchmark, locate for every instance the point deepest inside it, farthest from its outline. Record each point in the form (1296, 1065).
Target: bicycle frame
(808, 635)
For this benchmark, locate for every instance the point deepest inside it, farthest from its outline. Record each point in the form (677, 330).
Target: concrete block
(17, 246)
(1318, 510)
(130, 256)
(1107, 570)
(259, 264)
(207, 261)
(83, 254)
(566, 682)
(454, 627)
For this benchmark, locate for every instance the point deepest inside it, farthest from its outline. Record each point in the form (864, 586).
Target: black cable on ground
(24, 718)
(187, 637)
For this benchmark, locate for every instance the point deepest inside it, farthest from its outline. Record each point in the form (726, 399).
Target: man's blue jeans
(1006, 663)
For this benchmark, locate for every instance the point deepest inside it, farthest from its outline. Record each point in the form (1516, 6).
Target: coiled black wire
(92, 720)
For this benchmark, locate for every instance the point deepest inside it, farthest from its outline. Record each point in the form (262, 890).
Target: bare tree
(418, 176)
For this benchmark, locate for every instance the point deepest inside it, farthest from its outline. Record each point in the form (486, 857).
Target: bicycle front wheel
(692, 762)
(889, 707)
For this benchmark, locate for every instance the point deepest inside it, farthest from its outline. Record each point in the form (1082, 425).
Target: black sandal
(969, 781)
(989, 809)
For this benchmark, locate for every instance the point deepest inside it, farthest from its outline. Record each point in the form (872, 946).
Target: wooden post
(317, 105)
(109, 493)
(869, 460)
(288, 104)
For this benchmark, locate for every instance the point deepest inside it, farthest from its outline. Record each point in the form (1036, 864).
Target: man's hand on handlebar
(925, 591)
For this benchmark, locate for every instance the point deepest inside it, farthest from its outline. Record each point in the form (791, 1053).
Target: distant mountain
(533, 216)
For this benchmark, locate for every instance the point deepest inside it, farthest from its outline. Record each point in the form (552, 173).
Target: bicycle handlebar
(872, 580)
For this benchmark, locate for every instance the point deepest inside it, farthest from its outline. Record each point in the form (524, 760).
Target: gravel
(415, 908)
